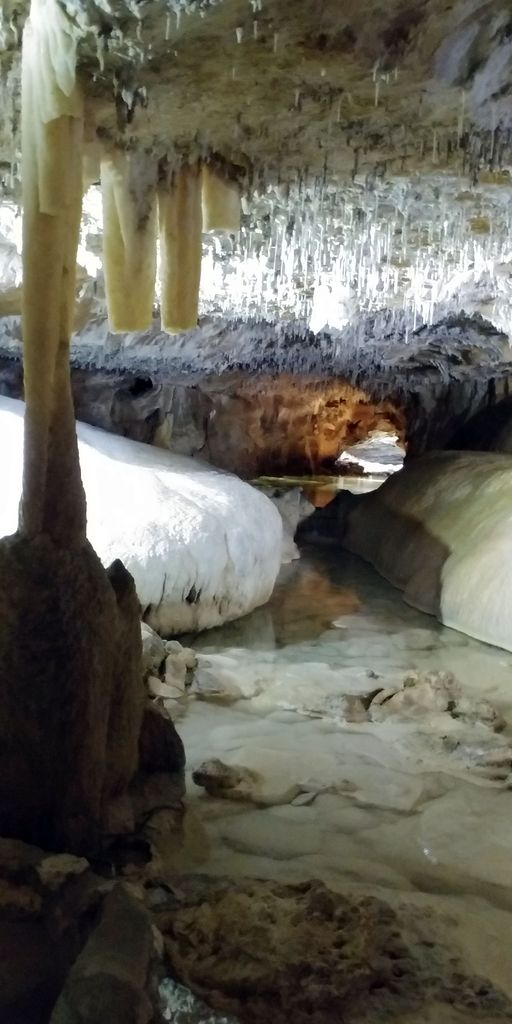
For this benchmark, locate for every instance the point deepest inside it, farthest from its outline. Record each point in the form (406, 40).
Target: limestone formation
(308, 116)
(233, 781)
(439, 530)
(72, 693)
(358, 89)
(82, 949)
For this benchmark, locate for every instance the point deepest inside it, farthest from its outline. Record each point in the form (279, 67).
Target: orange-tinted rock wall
(272, 425)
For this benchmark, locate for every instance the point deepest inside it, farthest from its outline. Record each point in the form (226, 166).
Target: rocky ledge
(258, 399)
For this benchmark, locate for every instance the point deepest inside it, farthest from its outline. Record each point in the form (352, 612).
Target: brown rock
(19, 860)
(108, 982)
(288, 424)
(32, 971)
(47, 905)
(265, 951)
(71, 690)
(232, 780)
(160, 747)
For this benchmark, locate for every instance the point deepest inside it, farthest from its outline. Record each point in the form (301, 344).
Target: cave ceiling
(372, 140)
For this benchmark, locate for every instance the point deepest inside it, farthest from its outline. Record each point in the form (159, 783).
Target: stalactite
(221, 202)
(128, 184)
(180, 247)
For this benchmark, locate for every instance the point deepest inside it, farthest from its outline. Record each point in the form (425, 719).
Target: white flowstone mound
(441, 531)
(202, 546)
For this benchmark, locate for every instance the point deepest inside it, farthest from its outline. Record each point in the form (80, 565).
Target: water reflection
(306, 601)
(321, 490)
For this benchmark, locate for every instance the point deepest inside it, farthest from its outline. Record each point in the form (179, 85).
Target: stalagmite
(221, 202)
(180, 247)
(71, 690)
(128, 184)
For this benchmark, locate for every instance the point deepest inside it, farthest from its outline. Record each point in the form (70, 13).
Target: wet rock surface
(438, 530)
(357, 871)
(371, 751)
(263, 950)
(249, 426)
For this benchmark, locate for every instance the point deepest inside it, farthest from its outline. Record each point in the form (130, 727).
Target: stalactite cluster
(190, 199)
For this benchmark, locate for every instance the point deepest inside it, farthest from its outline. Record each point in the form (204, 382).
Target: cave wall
(455, 414)
(490, 429)
(270, 425)
(250, 426)
(288, 424)
(258, 400)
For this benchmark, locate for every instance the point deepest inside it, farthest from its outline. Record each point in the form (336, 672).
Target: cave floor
(415, 806)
